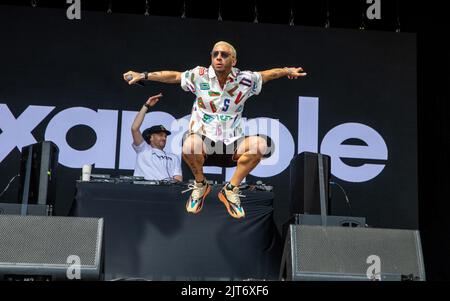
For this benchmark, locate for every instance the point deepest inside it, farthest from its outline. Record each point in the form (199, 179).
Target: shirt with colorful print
(217, 112)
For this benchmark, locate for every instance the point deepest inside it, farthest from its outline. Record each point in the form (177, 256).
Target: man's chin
(221, 70)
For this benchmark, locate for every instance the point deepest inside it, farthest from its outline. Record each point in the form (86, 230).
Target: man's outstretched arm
(291, 73)
(135, 127)
(169, 77)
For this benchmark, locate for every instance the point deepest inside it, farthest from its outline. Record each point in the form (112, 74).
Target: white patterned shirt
(217, 112)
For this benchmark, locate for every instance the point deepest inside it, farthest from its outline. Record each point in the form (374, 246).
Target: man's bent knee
(257, 146)
(193, 145)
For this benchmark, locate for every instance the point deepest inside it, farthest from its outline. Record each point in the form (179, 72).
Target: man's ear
(234, 62)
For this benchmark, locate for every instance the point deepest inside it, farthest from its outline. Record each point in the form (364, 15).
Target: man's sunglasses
(223, 54)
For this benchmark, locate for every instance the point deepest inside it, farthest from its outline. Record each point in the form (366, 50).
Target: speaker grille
(343, 250)
(49, 240)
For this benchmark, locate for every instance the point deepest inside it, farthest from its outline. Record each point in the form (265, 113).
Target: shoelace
(196, 190)
(234, 196)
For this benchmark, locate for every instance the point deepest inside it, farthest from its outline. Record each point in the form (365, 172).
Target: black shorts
(220, 154)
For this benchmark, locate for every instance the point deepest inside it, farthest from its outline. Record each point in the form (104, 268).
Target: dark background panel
(79, 63)
(428, 19)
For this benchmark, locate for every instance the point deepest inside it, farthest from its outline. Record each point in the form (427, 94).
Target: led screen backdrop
(61, 80)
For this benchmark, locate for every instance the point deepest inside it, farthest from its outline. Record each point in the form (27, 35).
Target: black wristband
(147, 106)
(145, 75)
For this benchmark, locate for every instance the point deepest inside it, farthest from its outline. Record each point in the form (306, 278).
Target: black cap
(154, 129)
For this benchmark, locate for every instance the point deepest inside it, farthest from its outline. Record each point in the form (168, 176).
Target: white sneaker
(199, 192)
(231, 200)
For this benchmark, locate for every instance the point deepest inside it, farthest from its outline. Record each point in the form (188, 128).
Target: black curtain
(433, 131)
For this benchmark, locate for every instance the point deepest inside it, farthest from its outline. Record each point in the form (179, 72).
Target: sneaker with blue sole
(199, 192)
(231, 199)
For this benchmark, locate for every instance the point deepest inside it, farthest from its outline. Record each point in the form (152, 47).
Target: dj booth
(149, 235)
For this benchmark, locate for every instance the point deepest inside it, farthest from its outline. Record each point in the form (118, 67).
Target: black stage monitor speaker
(49, 248)
(38, 174)
(341, 253)
(304, 183)
(18, 209)
(316, 220)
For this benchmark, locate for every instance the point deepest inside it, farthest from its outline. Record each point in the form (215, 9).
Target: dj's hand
(153, 99)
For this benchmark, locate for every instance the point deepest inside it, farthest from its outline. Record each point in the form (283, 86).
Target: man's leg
(248, 154)
(194, 156)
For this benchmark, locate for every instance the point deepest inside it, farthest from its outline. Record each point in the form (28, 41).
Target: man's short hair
(233, 50)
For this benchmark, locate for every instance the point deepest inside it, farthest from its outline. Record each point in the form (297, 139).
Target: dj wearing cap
(152, 162)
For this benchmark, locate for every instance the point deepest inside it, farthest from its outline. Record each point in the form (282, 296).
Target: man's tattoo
(194, 170)
(156, 73)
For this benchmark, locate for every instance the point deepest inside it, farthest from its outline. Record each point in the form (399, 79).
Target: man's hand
(153, 99)
(132, 77)
(290, 72)
(294, 73)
